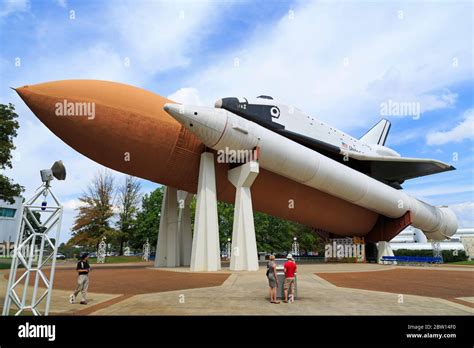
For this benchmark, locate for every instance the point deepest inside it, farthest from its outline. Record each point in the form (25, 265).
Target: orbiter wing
(399, 169)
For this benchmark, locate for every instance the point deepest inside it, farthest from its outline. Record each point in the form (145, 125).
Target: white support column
(244, 244)
(167, 247)
(384, 249)
(184, 227)
(205, 255)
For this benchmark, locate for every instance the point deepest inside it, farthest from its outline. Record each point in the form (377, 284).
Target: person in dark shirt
(83, 270)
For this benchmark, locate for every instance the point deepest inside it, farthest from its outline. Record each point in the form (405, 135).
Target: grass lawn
(108, 259)
(118, 259)
(463, 263)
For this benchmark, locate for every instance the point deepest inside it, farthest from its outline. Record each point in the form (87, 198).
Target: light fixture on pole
(228, 248)
(295, 248)
(102, 251)
(33, 232)
(146, 251)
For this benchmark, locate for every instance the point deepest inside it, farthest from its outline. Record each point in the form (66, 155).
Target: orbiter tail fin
(378, 133)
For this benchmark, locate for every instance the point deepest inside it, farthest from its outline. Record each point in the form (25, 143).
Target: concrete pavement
(246, 293)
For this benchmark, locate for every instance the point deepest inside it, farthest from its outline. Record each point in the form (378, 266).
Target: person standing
(83, 270)
(272, 279)
(290, 270)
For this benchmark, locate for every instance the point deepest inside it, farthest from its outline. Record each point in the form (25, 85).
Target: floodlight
(57, 171)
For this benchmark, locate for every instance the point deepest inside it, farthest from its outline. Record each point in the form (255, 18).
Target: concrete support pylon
(244, 244)
(184, 227)
(384, 249)
(167, 247)
(205, 255)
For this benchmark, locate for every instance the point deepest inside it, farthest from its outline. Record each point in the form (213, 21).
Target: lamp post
(146, 251)
(228, 248)
(295, 248)
(101, 252)
(436, 245)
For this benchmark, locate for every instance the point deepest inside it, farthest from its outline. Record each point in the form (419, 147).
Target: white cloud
(102, 59)
(187, 95)
(462, 131)
(96, 61)
(159, 36)
(430, 102)
(154, 36)
(8, 7)
(338, 62)
(135, 41)
(465, 213)
(72, 204)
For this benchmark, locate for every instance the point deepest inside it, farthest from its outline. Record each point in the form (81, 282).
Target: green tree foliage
(148, 219)
(308, 239)
(273, 234)
(68, 250)
(93, 219)
(225, 213)
(8, 130)
(128, 198)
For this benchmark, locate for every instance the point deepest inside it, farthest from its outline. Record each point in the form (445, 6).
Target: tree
(276, 235)
(129, 198)
(148, 219)
(273, 234)
(93, 219)
(8, 130)
(308, 239)
(67, 250)
(225, 213)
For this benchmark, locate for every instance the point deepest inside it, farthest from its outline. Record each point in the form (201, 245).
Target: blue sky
(336, 60)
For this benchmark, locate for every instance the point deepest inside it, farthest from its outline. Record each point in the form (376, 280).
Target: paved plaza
(323, 289)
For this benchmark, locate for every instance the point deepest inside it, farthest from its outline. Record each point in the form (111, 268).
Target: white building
(9, 220)
(413, 239)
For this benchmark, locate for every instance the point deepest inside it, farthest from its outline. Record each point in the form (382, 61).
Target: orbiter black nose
(230, 104)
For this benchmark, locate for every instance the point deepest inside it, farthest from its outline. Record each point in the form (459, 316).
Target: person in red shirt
(290, 270)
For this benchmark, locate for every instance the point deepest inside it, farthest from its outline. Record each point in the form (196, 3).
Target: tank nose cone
(119, 126)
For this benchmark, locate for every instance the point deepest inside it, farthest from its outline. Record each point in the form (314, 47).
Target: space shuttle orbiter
(368, 154)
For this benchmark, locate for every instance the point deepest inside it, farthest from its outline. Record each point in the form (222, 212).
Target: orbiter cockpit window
(265, 97)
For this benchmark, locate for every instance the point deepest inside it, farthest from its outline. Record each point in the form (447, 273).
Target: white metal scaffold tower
(34, 248)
